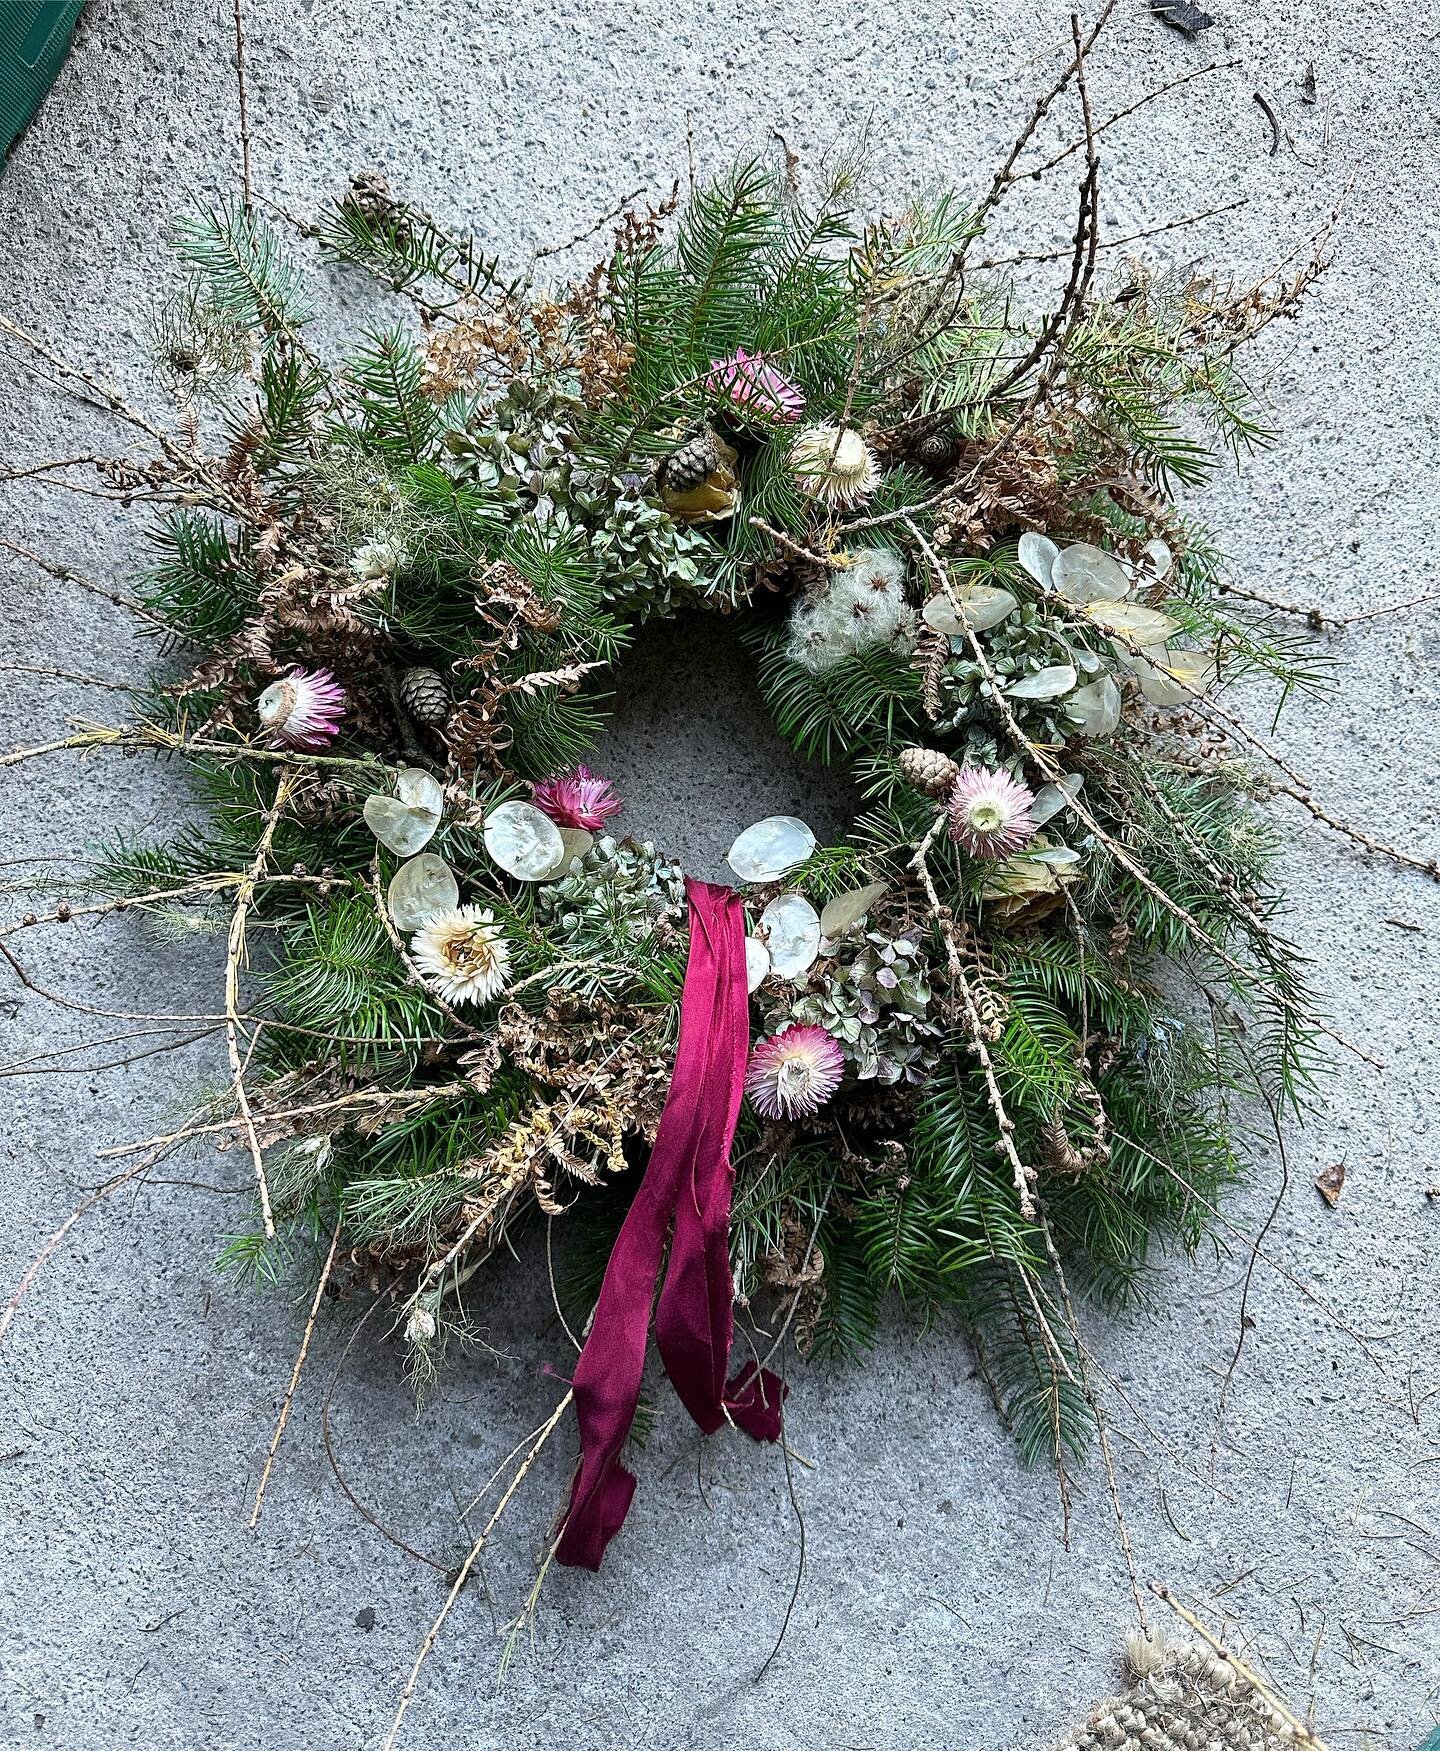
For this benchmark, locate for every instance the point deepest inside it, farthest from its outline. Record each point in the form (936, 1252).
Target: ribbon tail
(612, 1363)
(694, 1321)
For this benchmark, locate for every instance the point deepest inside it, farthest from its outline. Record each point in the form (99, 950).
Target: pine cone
(928, 770)
(692, 464)
(425, 696)
(936, 449)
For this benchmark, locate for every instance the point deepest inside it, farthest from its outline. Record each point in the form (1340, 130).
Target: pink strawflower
(990, 813)
(302, 710)
(578, 799)
(757, 387)
(794, 1072)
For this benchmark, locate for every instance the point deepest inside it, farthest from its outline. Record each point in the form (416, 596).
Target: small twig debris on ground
(1271, 117)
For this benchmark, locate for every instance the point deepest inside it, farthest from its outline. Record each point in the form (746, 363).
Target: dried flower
(302, 710)
(378, 559)
(462, 955)
(872, 994)
(756, 387)
(989, 812)
(793, 1073)
(837, 467)
(578, 799)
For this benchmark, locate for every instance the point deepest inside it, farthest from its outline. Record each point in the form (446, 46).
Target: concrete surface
(939, 1607)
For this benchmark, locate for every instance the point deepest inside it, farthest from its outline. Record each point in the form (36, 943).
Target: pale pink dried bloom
(793, 1073)
(755, 386)
(578, 799)
(302, 710)
(990, 813)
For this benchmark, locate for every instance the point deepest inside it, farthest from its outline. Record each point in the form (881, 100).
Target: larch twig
(294, 1381)
(408, 1695)
(235, 954)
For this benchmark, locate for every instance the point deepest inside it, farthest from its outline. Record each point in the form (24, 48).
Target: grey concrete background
(939, 1607)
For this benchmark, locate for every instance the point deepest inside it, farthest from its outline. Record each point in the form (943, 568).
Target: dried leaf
(1182, 15)
(1331, 1183)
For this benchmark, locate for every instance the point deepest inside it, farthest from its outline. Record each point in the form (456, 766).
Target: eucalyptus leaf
(846, 910)
(1053, 797)
(1095, 710)
(1134, 621)
(980, 606)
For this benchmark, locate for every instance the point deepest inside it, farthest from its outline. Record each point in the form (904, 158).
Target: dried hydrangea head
(837, 467)
(462, 955)
(793, 1073)
(578, 799)
(989, 812)
(756, 387)
(302, 710)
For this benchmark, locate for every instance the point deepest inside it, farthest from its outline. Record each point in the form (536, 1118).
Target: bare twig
(791, 546)
(1186, 220)
(235, 954)
(52, 1245)
(408, 1696)
(363, 1098)
(295, 1373)
(1120, 114)
(152, 736)
(52, 674)
(1319, 618)
(247, 189)
(66, 575)
(1023, 1176)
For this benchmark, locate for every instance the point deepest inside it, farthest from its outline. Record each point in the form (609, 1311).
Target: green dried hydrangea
(520, 449)
(650, 560)
(873, 993)
(1024, 644)
(616, 893)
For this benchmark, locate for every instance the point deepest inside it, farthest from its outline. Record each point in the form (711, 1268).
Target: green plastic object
(34, 40)
(1432, 1743)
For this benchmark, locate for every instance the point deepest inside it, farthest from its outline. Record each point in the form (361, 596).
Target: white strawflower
(377, 559)
(837, 467)
(462, 956)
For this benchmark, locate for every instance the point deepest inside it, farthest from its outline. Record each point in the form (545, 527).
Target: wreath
(986, 1054)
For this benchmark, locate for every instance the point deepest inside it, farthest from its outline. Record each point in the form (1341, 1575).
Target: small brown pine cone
(936, 449)
(425, 696)
(686, 468)
(928, 770)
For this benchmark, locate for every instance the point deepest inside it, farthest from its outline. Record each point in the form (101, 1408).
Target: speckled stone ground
(939, 1605)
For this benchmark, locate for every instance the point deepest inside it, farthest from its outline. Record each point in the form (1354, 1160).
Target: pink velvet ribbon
(686, 1191)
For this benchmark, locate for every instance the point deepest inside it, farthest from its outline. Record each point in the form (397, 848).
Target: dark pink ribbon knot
(685, 1193)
